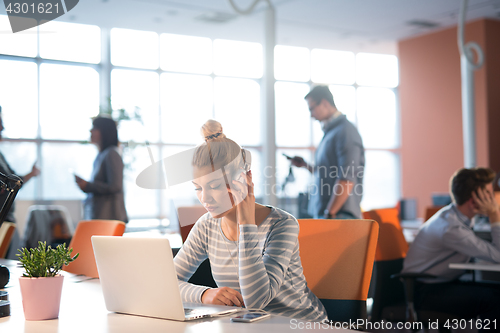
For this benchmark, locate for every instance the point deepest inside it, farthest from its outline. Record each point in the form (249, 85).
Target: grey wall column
(268, 123)
(105, 73)
(468, 112)
(468, 67)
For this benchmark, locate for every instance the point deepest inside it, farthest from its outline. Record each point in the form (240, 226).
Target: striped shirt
(266, 269)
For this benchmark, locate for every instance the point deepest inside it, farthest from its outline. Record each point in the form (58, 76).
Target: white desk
(83, 310)
(480, 266)
(411, 229)
(412, 224)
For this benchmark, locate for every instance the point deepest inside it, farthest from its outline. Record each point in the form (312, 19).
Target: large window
(241, 59)
(293, 63)
(363, 87)
(186, 102)
(137, 91)
(237, 106)
(24, 43)
(132, 48)
(52, 84)
(332, 67)
(70, 42)
(186, 54)
(69, 97)
(19, 98)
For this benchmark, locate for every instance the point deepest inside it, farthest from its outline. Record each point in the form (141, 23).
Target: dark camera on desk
(4, 276)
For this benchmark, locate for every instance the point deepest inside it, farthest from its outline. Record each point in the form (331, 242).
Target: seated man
(446, 238)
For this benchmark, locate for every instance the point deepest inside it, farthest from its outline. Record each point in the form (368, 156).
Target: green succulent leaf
(44, 261)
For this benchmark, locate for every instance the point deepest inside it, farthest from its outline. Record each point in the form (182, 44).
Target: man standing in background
(339, 161)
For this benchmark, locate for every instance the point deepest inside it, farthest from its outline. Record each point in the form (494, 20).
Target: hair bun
(212, 130)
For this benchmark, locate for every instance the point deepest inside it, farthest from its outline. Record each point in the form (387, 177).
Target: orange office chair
(392, 300)
(81, 243)
(391, 240)
(388, 293)
(337, 258)
(430, 211)
(188, 215)
(6, 232)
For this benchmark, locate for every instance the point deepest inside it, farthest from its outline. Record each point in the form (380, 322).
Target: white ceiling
(355, 25)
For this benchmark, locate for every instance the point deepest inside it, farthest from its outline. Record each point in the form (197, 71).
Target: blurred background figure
(339, 161)
(448, 237)
(105, 198)
(7, 170)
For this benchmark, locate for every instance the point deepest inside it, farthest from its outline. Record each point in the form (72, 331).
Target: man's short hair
(466, 181)
(318, 93)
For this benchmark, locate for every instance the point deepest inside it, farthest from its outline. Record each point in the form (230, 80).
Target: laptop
(138, 277)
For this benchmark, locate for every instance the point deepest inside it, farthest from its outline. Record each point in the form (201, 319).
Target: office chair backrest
(6, 232)
(188, 215)
(388, 293)
(337, 258)
(430, 211)
(391, 241)
(81, 243)
(47, 223)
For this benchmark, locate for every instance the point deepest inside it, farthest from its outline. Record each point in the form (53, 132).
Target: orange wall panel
(492, 62)
(431, 108)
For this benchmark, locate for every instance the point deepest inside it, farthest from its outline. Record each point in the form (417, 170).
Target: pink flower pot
(41, 297)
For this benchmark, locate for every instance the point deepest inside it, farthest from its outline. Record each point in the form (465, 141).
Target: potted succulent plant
(41, 284)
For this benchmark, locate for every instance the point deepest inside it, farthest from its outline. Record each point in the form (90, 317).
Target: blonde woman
(253, 249)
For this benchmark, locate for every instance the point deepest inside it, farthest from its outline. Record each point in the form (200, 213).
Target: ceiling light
(216, 17)
(423, 24)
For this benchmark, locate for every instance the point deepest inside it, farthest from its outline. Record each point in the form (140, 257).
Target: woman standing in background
(105, 199)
